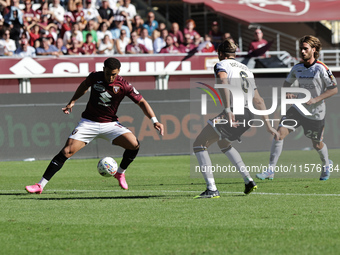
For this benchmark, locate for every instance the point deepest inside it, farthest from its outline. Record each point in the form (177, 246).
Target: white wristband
(227, 110)
(154, 120)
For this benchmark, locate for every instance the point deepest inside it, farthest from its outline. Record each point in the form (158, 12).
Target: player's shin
(55, 165)
(237, 161)
(324, 155)
(204, 162)
(128, 157)
(275, 152)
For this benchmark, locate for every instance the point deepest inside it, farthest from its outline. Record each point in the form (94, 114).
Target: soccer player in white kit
(229, 72)
(99, 120)
(316, 77)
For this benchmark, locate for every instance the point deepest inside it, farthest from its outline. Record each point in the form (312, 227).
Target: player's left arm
(146, 108)
(328, 93)
(331, 87)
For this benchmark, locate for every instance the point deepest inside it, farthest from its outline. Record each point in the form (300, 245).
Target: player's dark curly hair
(313, 42)
(112, 63)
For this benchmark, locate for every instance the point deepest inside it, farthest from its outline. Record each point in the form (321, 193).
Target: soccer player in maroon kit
(100, 120)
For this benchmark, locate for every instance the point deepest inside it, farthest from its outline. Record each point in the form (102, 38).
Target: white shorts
(87, 130)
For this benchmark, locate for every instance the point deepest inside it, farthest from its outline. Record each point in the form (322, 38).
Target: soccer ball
(107, 167)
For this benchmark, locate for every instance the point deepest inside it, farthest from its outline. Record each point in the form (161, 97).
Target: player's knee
(317, 145)
(135, 145)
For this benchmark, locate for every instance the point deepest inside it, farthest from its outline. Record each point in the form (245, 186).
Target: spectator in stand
(161, 26)
(29, 15)
(7, 45)
(151, 24)
(51, 39)
(190, 28)
(103, 30)
(121, 42)
(67, 25)
(75, 48)
(258, 41)
(37, 44)
(90, 28)
(11, 4)
(106, 14)
(113, 4)
(34, 33)
(43, 9)
(215, 34)
(155, 34)
(128, 8)
(206, 46)
(197, 40)
(159, 42)
(226, 36)
(46, 49)
(91, 13)
(75, 32)
(119, 22)
(134, 47)
(176, 34)
(89, 47)
(25, 50)
(137, 24)
(76, 7)
(15, 23)
(45, 25)
(188, 44)
(145, 40)
(106, 47)
(57, 11)
(170, 47)
(1, 21)
(61, 47)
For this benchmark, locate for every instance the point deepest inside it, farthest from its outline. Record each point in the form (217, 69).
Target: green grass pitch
(81, 212)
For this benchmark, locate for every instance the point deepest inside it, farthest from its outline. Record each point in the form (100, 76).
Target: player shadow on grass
(92, 198)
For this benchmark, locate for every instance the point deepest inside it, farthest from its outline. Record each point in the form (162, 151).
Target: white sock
(43, 182)
(121, 170)
(324, 155)
(205, 166)
(237, 161)
(275, 152)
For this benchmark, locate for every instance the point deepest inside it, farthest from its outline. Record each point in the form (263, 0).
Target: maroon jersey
(105, 98)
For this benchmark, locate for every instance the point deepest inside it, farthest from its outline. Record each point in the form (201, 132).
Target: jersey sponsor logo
(116, 89)
(136, 91)
(99, 87)
(105, 99)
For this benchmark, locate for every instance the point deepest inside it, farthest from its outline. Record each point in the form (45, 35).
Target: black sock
(128, 157)
(56, 164)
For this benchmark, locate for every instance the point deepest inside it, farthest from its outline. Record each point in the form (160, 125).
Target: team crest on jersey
(116, 89)
(99, 87)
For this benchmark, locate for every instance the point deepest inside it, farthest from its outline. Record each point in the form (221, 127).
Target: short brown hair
(314, 42)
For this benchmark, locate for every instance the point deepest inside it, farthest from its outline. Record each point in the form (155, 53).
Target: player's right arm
(81, 90)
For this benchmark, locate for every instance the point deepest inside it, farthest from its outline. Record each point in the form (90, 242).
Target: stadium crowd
(104, 27)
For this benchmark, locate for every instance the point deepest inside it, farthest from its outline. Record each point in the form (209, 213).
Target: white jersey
(238, 75)
(316, 78)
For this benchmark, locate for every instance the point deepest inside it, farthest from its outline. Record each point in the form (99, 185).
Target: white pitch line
(179, 191)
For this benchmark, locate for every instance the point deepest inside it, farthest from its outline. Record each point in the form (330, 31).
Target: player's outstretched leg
(236, 159)
(204, 162)
(55, 165)
(322, 149)
(131, 145)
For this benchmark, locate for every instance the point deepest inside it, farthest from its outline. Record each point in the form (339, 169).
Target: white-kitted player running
(316, 77)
